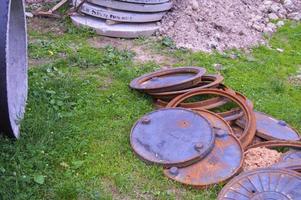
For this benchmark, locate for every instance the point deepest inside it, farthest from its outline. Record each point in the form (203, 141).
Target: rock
(274, 8)
(288, 5)
(280, 50)
(272, 26)
(294, 16)
(273, 16)
(280, 23)
(194, 5)
(258, 27)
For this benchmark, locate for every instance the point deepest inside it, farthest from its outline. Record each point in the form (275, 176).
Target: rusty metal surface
(277, 143)
(293, 164)
(232, 114)
(271, 128)
(263, 184)
(208, 81)
(205, 104)
(290, 155)
(172, 137)
(13, 66)
(168, 79)
(222, 163)
(250, 128)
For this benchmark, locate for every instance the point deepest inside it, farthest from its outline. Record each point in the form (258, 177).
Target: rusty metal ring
(172, 85)
(250, 129)
(277, 143)
(208, 81)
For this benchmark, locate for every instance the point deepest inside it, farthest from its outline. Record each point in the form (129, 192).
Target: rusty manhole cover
(269, 184)
(172, 137)
(270, 128)
(291, 155)
(223, 162)
(13, 66)
(169, 79)
(293, 164)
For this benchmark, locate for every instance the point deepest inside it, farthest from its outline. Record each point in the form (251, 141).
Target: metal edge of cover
(133, 7)
(13, 66)
(124, 30)
(120, 16)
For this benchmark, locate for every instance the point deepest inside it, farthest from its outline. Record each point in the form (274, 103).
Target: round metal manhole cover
(123, 30)
(222, 163)
(13, 66)
(268, 184)
(294, 164)
(270, 128)
(169, 79)
(291, 155)
(172, 137)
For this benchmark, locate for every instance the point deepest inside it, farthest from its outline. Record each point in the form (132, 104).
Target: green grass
(75, 135)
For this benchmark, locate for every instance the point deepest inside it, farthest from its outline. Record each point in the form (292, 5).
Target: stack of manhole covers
(121, 18)
(201, 129)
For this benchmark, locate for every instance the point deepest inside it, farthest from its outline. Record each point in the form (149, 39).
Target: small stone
(272, 26)
(218, 67)
(280, 50)
(194, 5)
(294, 16)
(273, 16)
(258, 27)
(280, 23)
(274, 8)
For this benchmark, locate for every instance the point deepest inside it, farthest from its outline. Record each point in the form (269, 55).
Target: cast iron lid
(223, 162)
(263, 184)
(169, 79)
(291, 155)
(13, 66)
(293, 164)
(172, 137)
(271, 128)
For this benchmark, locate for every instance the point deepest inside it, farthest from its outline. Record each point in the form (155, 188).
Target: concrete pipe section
(13, 66)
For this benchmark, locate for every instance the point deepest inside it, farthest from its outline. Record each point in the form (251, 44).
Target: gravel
(260, 158)
(203, 25)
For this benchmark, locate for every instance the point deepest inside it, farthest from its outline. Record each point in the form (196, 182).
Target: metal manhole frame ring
(184, 163)
(214, 80)
(235, 172)
(249, 131)
(199, 72)
(277, 143)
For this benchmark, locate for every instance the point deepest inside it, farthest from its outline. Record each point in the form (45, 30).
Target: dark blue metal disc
(270, 128)
(291, 155)
(172, 137)
(13, 66)
(263, 184)
(222, 163)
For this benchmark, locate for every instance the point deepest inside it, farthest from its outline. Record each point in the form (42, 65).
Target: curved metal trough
(13, 66)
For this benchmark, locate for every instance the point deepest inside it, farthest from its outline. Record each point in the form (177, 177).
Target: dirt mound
(225, 24)
(260, 158)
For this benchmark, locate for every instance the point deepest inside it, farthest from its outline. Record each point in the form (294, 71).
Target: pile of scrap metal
(120, 18)
(201, 130)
